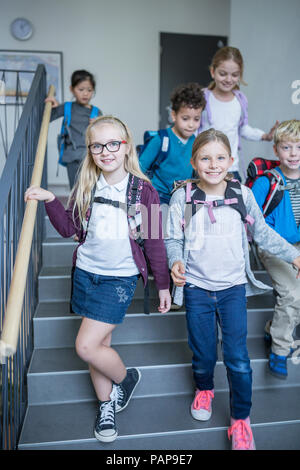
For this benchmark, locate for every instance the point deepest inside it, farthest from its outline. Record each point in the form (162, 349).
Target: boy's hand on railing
(177, 273)
(296, 264)
(164, 301)
(38, 194)
(53, 101)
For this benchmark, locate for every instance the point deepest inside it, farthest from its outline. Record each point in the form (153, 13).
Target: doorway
(184, 58)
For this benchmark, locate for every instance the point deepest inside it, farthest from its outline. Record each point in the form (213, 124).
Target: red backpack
(262, 167)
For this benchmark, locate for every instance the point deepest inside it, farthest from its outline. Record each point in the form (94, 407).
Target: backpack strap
(64, 130)
(131, 207)
(67, 113)
(275, 193)
(192, 201)
(94, 112)
(233, 197)
(164, 150)
(134, 216)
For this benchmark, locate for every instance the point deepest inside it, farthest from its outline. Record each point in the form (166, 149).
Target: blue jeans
(227, 307)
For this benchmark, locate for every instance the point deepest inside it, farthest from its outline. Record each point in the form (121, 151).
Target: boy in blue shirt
(187, 103)
(284, 219)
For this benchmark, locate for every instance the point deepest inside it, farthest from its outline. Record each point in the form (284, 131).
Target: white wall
(268, 34)
(118, 40)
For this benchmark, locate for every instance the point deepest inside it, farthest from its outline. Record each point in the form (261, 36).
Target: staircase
(62, 404)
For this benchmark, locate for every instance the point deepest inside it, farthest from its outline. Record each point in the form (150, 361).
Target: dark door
(184, 58)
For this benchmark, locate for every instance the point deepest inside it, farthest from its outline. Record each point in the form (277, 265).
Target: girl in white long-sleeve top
(227, 107)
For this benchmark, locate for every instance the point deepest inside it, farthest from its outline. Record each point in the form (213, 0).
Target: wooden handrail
(14, 306)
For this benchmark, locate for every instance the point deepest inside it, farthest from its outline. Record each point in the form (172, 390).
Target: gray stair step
(62, 405)
(54, 284)
(57, 375)
(58, 251)
(157, 422)
(50, 231)
(54, 326)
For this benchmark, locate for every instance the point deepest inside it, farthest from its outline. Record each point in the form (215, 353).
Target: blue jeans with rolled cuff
(204, 309)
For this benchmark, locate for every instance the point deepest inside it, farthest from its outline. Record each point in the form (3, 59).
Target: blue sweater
(176, 166)
(282, 218)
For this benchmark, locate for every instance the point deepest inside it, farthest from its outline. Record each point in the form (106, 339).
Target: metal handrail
(11, 325)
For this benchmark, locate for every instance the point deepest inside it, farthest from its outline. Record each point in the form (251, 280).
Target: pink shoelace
(203, 399)
(243, 437)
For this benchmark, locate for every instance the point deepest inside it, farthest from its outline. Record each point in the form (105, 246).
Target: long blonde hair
(90, 172)
(227, 53)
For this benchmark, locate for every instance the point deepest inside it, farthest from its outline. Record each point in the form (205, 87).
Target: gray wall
(118, 40)
(268, 34)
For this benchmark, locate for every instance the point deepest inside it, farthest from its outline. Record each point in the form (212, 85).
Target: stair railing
(20, 255)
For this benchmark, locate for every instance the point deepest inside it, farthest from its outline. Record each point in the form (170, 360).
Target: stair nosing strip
(165, 366)
(157, 434)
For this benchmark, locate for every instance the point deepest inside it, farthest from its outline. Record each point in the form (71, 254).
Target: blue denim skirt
(102, 298)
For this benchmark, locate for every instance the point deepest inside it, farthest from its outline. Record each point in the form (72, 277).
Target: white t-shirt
(225, 116)
(107, 248)
(218, 262)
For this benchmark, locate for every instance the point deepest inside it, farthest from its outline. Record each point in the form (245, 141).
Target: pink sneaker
(201, 406)
(242, 437)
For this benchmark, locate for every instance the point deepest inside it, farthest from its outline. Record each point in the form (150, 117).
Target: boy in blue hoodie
(284, 219)
(187, 102)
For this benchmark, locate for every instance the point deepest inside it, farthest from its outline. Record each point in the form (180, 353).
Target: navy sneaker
(126, 388)
(278, 365)
(105, 426)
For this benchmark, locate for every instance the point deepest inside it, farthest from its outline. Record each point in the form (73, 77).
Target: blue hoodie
(282, 218)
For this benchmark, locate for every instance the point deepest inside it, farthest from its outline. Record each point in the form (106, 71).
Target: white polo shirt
(107, 248)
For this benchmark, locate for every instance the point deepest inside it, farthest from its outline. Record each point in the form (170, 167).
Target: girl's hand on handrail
(52, 100)
(38, 194)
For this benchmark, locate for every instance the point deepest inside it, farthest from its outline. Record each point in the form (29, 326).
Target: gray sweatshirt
(75, 148)
(178, 242)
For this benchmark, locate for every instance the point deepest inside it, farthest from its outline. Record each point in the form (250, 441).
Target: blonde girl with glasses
(110, 257)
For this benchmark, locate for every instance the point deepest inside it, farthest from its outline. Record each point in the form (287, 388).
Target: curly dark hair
(190, 95)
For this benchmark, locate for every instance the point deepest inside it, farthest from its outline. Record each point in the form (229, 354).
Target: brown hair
(227, 53)
(211, 135)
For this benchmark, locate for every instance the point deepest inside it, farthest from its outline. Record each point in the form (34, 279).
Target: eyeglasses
(112, 146)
